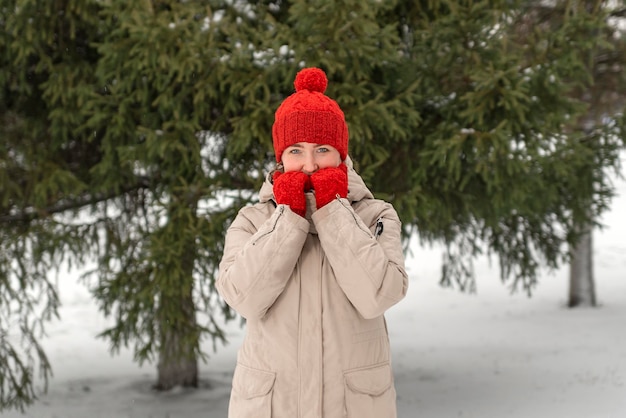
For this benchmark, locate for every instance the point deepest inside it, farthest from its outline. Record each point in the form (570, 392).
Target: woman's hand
(329, 183)
(289, 190)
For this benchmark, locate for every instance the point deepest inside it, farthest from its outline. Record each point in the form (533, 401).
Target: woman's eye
(322, 149)
(294, 151)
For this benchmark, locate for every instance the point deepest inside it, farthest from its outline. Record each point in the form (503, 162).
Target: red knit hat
(310, 116)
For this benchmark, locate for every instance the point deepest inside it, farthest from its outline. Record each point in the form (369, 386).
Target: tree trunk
(179, 334)
(581, 282)
(178, 363)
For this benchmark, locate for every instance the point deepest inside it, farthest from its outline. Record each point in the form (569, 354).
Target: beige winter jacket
(314, 292)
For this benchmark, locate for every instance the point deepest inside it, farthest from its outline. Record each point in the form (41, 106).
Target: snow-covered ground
(484, 355)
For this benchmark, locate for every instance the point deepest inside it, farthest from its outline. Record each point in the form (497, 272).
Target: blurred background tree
(132, 132)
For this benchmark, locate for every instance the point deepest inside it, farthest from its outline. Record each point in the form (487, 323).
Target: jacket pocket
(370, 392)
(251, 396)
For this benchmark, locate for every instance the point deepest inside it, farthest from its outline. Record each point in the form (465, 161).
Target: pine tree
(606, 101)
(500, 111)
(133, 131)
(111, 152)
(45, 61)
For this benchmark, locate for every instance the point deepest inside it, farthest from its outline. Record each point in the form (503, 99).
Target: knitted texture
(329, 183)
(289, 190)
(310, 116)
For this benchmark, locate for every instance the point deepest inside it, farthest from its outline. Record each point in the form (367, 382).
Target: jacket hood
(357, 190)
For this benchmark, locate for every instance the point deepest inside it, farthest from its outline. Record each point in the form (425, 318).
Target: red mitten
(329, 183)
(289, 190)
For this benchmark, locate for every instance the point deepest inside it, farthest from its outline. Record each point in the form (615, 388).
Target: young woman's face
(308, 157)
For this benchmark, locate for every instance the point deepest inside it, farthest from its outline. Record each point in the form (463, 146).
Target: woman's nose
(310, 165)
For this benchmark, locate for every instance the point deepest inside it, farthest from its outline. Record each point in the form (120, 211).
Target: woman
(313, 267)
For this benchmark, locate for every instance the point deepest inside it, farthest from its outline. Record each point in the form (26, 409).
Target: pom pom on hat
(312, 79)
(310, 116)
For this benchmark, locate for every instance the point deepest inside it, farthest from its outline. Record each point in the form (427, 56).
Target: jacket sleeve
(257, 264)
(369, 269)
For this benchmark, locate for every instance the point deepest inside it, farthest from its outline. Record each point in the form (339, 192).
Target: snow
(490, 354)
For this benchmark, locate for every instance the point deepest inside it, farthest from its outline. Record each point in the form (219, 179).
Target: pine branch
(618, 13)
(29, 214)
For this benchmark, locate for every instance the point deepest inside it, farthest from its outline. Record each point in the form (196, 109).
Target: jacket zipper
(368, 232)
(280, 213)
